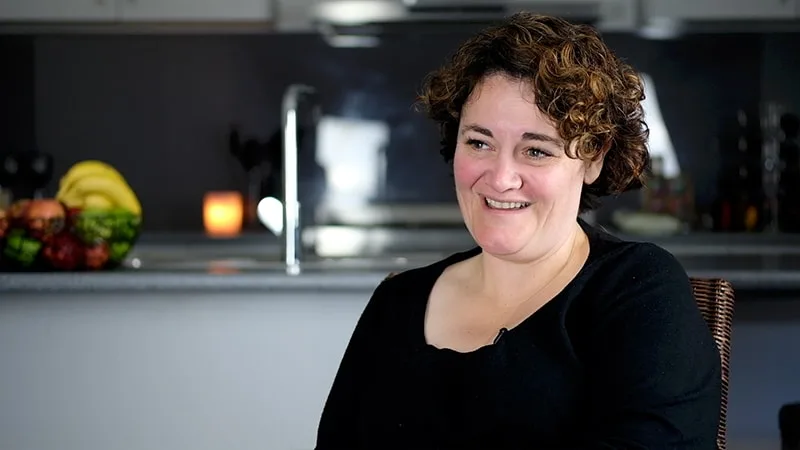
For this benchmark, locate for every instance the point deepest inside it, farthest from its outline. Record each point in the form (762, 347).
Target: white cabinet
(66, 11)
(170, 370)
(723, 9)
(195, 10)
(57, 10)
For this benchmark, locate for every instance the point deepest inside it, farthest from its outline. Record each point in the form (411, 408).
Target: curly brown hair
(593, 98)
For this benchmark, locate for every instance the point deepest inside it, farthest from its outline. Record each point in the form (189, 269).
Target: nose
(504, 176)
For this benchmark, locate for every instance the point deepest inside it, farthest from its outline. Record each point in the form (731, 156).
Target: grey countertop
(150, 282)
(752, 273)
(192, 262)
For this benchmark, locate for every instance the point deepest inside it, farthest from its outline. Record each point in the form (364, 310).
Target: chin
(499, 243)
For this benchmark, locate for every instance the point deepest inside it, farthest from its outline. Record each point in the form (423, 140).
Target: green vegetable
(118, 250)
(93, 226)
(20, 248)
(127, 226)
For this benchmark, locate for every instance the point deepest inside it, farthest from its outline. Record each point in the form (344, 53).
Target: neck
(512, 282)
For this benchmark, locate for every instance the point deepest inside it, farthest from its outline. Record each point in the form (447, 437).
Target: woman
(550, 334)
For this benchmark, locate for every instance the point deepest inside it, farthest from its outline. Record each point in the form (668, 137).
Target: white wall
(183, 372)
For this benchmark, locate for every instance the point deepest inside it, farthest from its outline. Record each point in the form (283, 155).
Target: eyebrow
(528, 135)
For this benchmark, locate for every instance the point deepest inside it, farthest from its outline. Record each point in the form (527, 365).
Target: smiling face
(517, 188)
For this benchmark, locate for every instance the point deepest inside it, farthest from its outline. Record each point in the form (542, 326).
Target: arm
(654, 368)
(337, 426)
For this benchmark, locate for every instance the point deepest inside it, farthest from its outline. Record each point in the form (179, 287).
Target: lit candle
(222, 213)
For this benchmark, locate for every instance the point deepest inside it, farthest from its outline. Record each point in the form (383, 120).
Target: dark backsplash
(17, 120)
(160, 107)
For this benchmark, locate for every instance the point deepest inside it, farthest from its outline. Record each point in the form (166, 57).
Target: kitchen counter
(746, 272)
(187, 281)
(170, 262)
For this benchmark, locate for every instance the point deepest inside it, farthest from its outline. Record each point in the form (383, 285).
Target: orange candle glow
(222, 213)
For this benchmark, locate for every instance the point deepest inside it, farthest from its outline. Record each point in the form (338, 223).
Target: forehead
(502, 99)
(506, 105)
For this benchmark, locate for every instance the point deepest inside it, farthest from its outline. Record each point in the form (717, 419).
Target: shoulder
(617, 261)
(638, 294)
(430, 272)
(627, 275)
(632, 261)
(414, 285)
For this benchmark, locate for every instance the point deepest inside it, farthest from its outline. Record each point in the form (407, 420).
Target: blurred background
(200, 104)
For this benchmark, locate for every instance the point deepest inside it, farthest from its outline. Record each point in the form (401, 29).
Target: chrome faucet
(292, 230)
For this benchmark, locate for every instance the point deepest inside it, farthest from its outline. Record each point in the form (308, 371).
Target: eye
(536, 153)
(477, 145)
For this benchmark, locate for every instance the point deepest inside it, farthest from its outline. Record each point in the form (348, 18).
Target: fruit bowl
(91, 224)
(65, 239)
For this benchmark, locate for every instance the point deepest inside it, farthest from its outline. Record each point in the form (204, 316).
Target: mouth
(505, 206)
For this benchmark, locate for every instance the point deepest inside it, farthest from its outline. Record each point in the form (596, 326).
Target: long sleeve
(338, 424)
(653, 366)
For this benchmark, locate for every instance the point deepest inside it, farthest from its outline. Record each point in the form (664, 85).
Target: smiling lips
(495, 204)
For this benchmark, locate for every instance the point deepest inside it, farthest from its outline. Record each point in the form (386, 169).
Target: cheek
(553, 184)
(559, 186)
(466, 170)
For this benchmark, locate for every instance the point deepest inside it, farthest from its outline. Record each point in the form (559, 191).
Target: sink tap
(292, 230)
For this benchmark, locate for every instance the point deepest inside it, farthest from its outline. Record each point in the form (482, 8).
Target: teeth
(505, 205)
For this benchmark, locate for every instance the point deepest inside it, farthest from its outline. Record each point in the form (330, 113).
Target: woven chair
(715, 297)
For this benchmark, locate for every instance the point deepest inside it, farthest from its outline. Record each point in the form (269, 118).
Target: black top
(620, 359)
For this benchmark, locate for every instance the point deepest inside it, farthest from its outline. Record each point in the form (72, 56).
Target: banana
(82, 167)
(87, 168)
(71, 200)
(90, 187)
(97, 201)
(96, 184)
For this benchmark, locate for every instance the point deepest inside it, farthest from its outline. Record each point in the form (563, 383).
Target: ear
(593, 169)
(595, 166)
